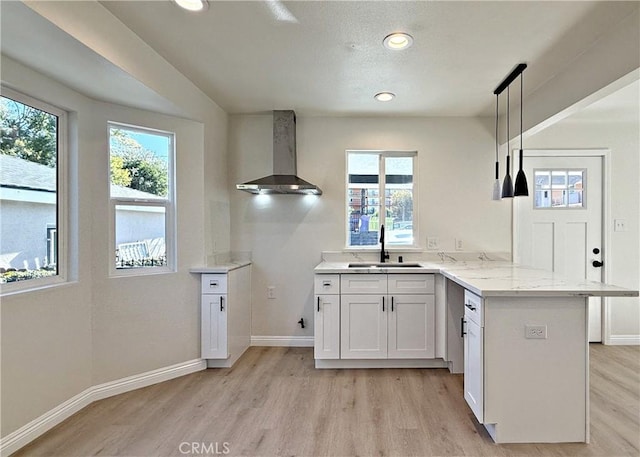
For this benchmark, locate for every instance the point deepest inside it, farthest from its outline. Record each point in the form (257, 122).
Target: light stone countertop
(221, 268)
(495, 278)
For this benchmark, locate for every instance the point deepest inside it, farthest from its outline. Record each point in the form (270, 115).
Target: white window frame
(382, 154)
(62, 198)
(169, 205)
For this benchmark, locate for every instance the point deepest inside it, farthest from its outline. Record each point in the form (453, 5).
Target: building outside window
(380, 191)
(142, 200)
(32, 192)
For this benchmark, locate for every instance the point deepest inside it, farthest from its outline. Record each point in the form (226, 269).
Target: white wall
(56, 342)
(286, 233)
(622, 138)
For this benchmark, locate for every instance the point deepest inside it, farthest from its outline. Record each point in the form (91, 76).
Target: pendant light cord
(508, 133)
(497, 145)
(521, 102)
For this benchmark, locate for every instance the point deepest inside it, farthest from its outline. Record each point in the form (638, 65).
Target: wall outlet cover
(432, 243)
(535, 332)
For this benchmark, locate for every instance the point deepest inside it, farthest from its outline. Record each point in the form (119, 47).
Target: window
(559, 189)
(32, 194)
(142, 202)
(380, 191)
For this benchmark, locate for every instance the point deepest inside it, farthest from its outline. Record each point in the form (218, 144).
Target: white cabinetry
(387, 316)
(473, 354)
(526, 387)
(327, 317)
(226, 316)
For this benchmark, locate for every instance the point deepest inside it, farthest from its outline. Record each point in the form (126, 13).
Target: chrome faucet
(383, 255)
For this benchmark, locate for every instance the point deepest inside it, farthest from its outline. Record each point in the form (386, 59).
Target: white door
(363, 327)
(327, 327)
(412, 327)
(559, 226)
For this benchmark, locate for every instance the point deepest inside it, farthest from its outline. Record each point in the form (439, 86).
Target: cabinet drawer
(411, 284)
(327, 284)
(363, 284)
(473, 308)
(214, 284)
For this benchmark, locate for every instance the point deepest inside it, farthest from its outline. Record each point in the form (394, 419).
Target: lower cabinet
(225, 316)
(327, 327)
(388, 326)
(214, 327)
(474, 368)
(374, 316)
(363, 332)
(411, 327)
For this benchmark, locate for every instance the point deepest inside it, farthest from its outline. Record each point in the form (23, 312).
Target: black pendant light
(521, 188)
(507, 184)
(497, 194)
(521, 181)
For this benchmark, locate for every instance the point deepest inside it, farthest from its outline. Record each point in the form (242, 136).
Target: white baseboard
(623, 340)
(291, 341)
(29, 432)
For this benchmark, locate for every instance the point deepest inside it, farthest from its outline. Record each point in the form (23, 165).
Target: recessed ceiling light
(397, 41)
(192, 5)
(384, 96)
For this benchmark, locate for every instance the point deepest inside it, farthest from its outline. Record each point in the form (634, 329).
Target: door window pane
(559, 189)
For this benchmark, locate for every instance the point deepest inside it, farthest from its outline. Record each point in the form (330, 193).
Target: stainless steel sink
(384, 265)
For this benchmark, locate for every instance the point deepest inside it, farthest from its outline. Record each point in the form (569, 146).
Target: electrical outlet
(432, 243)
(620, 225)
(271, 292)
(459, 244)
(535, 332)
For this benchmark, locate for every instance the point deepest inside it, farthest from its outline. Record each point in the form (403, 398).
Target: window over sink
(380, 191)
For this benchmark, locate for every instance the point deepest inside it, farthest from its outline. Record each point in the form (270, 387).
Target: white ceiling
(331, 61)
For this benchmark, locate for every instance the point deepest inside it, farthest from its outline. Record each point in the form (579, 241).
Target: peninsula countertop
(493, 278)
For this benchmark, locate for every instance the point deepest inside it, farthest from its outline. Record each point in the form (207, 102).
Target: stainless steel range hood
(284, 179)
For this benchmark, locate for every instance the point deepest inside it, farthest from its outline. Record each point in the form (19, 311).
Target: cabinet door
(363, 326)
(474, 368)
(412, 327)
(214, 327)
(327, 327)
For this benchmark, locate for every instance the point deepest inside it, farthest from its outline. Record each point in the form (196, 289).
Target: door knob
(597, 263)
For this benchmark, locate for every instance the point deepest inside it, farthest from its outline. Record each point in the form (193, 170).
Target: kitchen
(108, 332)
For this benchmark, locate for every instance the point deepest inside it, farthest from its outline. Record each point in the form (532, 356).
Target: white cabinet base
(381, 363)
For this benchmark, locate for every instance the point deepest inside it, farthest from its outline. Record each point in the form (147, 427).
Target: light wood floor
(274, 403)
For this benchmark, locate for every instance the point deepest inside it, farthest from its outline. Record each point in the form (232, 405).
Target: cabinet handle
(318, 304)
(462, 332)
(468, 305)
(383, 303)
(221, 303)
(392, 303)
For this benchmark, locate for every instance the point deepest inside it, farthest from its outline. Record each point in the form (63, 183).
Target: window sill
(143, 271)
(22, 287)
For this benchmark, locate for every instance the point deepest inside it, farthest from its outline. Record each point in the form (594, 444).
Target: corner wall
(287, 233)
(59, 341)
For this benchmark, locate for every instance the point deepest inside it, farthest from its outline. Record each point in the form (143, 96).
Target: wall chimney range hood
(284, 179)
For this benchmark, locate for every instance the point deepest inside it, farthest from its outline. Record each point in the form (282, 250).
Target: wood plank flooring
(274, 403)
